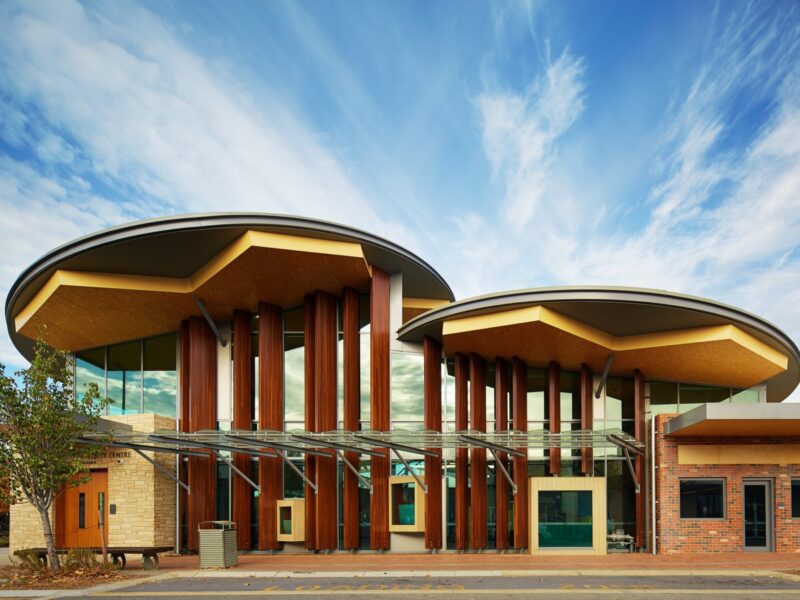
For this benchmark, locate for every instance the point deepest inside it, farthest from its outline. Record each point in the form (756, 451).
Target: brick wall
(676, 535)
(144, 498)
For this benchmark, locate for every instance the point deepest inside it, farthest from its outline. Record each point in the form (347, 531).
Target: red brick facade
(676, 535)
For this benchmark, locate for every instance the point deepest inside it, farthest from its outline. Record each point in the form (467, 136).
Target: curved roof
(179, 246)
(619, 313)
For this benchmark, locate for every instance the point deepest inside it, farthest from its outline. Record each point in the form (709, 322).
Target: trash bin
(218, 544)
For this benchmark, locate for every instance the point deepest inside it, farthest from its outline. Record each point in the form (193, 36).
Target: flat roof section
(736, 420)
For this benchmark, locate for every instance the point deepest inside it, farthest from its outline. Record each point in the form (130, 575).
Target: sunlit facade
(283, 326)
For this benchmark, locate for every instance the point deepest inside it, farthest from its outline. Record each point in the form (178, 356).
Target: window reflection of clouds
(151, 391)
(294, 377)
(407, 386)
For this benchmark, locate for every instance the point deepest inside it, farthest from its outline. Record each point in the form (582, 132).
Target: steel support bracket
(236, 470)
(414, 474)
(311, 484)
(604, 376)
(503, 469)
(632, 470)
(352, 468)
(163, 470)
(222, 341)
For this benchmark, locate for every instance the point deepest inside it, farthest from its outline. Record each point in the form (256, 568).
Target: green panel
(565, 519)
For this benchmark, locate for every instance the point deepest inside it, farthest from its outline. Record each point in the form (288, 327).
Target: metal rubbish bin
(218, 544)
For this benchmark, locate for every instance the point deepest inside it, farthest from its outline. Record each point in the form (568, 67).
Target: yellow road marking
(538, 591)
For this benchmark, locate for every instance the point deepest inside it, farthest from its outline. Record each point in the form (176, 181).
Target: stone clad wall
(144, 498)
(676, 535)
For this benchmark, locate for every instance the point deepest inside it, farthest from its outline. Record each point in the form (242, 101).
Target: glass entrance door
(758, 515)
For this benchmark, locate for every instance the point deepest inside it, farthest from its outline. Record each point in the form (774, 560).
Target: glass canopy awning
(277, 444)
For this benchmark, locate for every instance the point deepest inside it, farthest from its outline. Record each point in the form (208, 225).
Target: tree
(41, 416)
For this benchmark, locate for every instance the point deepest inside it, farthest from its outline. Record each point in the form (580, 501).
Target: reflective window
(407, 386)
(620, 404)
(693, 395)
(744, 396)
(620, 497)
(490, 376)
(663, 397)
(364, 352)
(294, 365)
(702, 498)
(160, 376)
(796, 498)
(565, 519)
(125, 378)
(90, 367)
(403, 503)
(538, 409)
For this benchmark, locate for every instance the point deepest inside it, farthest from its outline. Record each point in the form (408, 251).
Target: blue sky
(511, 144)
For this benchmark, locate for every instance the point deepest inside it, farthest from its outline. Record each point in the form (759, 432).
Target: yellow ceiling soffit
(186, 285)
(423, 303)
(541, 314)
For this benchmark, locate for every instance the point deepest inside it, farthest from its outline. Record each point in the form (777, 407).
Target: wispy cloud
(109, 117)
(521, 131)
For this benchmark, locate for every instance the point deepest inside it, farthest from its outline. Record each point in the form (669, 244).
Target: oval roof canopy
(665, 335)
(140, 278)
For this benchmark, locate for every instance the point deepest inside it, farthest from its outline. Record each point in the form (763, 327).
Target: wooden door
(78, 513)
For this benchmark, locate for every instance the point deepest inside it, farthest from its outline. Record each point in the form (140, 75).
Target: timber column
(379, 407)
(433, 422)
(202, 405)
(519, 403)
(477, 401)
(241, 505)
(270, 416)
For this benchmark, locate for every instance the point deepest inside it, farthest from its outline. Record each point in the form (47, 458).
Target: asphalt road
(484, 588)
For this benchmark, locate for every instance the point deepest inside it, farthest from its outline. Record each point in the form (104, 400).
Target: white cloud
(111, 95)
(520, 134)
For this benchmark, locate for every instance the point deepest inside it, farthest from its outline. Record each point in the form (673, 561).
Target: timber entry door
(79, 521)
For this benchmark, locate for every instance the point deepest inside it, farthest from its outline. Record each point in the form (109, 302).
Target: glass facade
(667, 397)
(137, 377)
(565, 519)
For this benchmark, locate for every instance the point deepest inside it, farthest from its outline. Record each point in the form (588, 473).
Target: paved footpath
(631, 585)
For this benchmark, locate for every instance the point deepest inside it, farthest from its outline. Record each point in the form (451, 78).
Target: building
(322, 388)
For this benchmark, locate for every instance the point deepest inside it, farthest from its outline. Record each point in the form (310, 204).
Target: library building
(323, 389)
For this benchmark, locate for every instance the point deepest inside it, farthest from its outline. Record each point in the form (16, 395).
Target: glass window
(160, 377)
(449, 401)
(565, 519)
(364, 353)
(663, 397)
(125, 378)
(407, 386)
(693, 395)
(294, 376)
(90, 367)
(702, 498)
(293, 484)
(796, 498)
(537, 395)
(620, 498)
(403, 503)
(490, 377)
(223, 491)
(619, 401)
(745, 396)
(570, 396)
